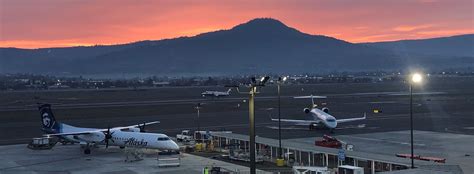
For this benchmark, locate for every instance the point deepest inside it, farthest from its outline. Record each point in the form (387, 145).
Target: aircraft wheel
(87, 151)
(122, 147)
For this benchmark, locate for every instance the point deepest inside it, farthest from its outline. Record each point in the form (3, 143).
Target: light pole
(198, 106)
(279, 82)
(415, 79)
(252, 92)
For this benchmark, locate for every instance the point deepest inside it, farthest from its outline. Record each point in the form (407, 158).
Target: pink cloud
(45, 23)
(405, 28)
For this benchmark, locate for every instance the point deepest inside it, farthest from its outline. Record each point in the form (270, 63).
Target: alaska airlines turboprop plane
(319, 117)
(128, 136)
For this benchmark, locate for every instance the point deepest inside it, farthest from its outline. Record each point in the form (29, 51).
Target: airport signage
(341, 155)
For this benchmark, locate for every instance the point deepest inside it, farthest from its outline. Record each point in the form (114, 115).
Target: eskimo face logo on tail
(46, 120)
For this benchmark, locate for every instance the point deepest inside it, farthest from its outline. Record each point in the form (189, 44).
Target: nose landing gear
(331, 130)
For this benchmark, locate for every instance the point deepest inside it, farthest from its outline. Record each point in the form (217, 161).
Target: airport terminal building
(303, 154)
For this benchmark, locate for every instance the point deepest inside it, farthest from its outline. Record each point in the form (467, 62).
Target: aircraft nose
(172, 145)
(332, 125)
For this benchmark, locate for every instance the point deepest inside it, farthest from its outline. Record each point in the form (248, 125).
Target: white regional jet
(216, 93)
(319, 117)
(128, 136)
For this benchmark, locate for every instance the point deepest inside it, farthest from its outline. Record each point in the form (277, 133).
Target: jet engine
(306, 110)
(325, 109)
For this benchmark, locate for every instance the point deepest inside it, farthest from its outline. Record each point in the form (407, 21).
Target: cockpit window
(330, 120)
(163, 139)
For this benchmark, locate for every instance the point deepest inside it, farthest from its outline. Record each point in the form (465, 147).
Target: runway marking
(121, 104)
(56, 160)
(418, 93)
(176, 101)
(454, 131)
(287, 128)
(384, 102)
(207, 127)
(389, 141)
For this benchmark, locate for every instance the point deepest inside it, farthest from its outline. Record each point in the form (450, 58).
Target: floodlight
(264, 80)
(253, 80)
(416, 78)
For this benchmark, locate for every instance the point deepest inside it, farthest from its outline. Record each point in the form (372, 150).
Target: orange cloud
(374, 38)
(58, 23)
(445, 32)
(45, 44)
(428, 1)
(405, 28)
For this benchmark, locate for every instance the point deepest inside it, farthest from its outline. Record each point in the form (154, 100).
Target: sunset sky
(59, 23)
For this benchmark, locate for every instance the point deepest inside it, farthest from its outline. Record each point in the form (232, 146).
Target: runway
(442, 109)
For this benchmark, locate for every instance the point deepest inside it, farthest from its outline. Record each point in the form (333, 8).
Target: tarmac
(457, 149)
(70, 159)
(444, 107)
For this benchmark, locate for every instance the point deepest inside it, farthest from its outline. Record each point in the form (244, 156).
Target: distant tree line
(45, 82)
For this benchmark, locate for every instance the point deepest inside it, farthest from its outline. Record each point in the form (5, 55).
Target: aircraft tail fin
(270, 113)
(49, 124)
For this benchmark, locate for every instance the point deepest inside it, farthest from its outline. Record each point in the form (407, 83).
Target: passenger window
(163, 138)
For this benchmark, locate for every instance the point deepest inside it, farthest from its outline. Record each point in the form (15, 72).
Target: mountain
(261, 45)
(454, 46)
(434, 53)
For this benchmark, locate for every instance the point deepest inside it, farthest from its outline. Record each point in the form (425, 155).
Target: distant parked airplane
(319, 117)
(128, 136)
(216, 93)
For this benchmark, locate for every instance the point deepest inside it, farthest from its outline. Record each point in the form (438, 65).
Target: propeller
(108, 136)
(142, 127)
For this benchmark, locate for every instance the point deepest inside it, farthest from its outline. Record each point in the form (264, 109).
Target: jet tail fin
(49, 124)
(270, 113)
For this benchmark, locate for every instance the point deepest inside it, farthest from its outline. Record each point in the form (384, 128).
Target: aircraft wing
(309, 96)
(137, 125)
(298, 122)
(351, 119)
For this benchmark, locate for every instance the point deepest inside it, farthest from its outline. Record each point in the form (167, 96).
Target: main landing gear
(87, 149)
